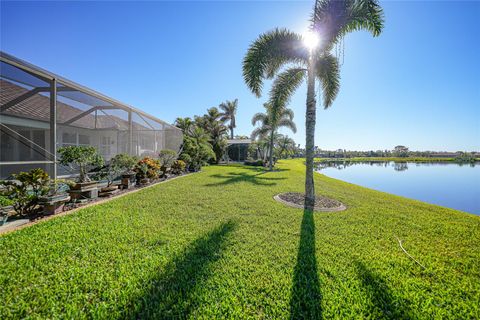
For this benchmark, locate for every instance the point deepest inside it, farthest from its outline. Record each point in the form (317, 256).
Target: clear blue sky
(418, 84)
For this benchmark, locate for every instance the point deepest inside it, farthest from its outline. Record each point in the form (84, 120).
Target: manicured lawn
(215, 244)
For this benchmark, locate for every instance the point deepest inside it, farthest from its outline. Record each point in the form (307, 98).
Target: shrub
(124, 162)
(197, 151)
(81, 157)
(6, 201)
(166, 158)
(178, 167)
(256, 163)
(185, 158)
(147, 168)
(26, 191)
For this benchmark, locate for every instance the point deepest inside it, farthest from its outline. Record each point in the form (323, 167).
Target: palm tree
(280, 48)
(186, 124)
(229, 109)
(274, 118)
(211, 123)
(285, 144)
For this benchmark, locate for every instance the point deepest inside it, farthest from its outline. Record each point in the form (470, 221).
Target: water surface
(446, 184)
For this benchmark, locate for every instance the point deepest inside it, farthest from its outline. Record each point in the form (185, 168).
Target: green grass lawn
(216, 245)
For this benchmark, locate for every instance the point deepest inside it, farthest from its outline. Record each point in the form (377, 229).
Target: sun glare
(310, 39)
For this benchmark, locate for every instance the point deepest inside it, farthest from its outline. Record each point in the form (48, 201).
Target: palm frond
(259, 117)
(287, 123)
(288, 113)
(328, 73)
(268, 54)
(364, 15)
(285, 85)
(260, 132)
(333, 19)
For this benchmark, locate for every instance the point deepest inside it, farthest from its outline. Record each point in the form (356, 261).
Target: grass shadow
(306, 297)
(171, 293)
(383, 305)
(253, 168)
(236, 177)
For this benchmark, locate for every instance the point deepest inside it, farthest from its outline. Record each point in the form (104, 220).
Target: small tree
(26, 191)
(166, 159)
(80, 157)
(125, 162)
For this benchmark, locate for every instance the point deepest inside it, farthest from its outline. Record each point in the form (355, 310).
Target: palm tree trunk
(271, 151)
(231, 133)
(310, 135)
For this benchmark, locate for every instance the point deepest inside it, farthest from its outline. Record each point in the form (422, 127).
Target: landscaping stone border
(340, 207)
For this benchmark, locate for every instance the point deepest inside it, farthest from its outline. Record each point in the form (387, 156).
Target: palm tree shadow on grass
(171, 293)
(236, 177)
(306, 297)
(383, 305)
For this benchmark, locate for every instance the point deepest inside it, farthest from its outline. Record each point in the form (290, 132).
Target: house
(237, 149)
(41, 111)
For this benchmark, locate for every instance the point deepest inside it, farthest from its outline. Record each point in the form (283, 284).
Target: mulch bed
(297, 200)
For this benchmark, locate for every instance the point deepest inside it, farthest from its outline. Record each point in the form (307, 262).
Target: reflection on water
(449, 184)
(397, 166)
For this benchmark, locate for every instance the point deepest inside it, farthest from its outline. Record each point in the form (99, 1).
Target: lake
(446, 184)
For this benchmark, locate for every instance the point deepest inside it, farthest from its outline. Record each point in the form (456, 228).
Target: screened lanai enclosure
(41, 111)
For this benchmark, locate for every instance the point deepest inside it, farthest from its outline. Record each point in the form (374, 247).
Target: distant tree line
(397, 152)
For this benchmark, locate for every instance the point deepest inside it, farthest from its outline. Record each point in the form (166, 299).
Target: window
(69, 139)
(83, 140)
(105, 146)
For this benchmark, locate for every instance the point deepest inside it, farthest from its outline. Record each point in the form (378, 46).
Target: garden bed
(72, 207)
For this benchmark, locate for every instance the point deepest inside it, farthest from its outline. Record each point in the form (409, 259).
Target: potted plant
(81, 158)
(166, 158)
(127, 164)
(142, 171)
(26, 189)
(54, 201)
(6, 206)
(147, 169)
(110, 172)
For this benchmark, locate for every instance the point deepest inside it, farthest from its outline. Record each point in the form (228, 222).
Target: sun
(310, 39)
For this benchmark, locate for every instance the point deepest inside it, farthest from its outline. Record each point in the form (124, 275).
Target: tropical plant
(166, 158)
(213, 126)
(125, 162)
(147, 168)
(6, 201)
(197, 150)
(229, 109)
(285, 146)
(185, 124)
(274, 118)
(178, 167)
(80, 157)
(26, 189)
(274, 50)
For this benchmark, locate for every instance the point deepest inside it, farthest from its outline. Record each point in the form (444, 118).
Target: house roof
(239, 141)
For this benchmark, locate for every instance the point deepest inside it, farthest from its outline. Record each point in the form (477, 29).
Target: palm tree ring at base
(322, 204)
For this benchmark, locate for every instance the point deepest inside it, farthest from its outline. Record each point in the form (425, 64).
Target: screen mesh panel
(83, 117)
